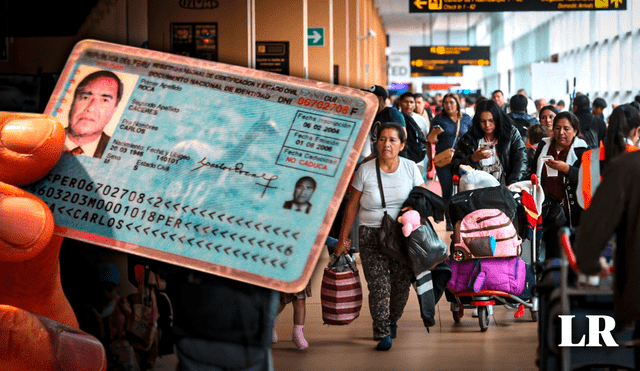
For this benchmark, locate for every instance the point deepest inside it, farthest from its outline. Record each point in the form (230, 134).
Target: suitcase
(500, 274)
(485, 233)
(529, 284)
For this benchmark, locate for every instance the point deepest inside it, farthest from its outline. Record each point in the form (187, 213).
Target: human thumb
(30, 145)
(32, 342)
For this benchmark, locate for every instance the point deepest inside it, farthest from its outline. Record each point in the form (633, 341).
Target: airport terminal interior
(553, 50)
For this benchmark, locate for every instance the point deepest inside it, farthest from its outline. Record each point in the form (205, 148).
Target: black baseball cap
(378, 90)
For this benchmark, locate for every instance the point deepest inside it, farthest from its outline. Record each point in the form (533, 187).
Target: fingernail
(80, 352)
(22, 220)
(25, 136)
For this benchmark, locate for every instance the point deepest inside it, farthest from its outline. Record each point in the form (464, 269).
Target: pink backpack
(485, 233)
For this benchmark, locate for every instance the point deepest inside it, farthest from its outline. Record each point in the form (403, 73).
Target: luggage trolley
(483, 298)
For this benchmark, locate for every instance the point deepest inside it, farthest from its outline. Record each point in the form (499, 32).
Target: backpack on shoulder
(415, 148)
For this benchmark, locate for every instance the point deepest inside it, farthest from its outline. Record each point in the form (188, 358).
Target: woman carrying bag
(388, 279)
(557, 162)
(446, 129)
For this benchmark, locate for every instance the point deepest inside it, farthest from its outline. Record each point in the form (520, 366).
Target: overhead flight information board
(466, 6)
(441, 60)
(435, 70)
(450, 55)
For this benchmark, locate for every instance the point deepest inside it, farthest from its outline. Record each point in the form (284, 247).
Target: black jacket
(429, 204)
(437, 279)
(102, 145)
(593, 128)
(615, 209)
(511, 154)
(522, 121)
(426, 203)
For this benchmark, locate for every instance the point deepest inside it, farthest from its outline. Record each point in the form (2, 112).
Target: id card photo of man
(95, 100)
(302, 193)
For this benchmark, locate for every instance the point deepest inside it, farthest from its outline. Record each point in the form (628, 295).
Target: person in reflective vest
(621, 137)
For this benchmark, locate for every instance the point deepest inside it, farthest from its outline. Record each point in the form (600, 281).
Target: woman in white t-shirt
(388, 280)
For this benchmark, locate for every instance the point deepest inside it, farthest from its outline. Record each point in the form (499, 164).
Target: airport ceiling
(43, 18)
(395, 16)
(397, 19)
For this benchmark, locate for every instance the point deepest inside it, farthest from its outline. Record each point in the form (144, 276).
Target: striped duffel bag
(341, 291)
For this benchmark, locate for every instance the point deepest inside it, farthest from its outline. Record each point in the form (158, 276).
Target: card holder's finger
(34, 342)
(29, 257)
(26, 224)
(30, 145)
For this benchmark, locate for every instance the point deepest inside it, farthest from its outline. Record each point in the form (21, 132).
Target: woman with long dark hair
(622, 132)
(492, 144)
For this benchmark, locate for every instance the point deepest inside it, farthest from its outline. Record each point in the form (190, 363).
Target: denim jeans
(446, 181)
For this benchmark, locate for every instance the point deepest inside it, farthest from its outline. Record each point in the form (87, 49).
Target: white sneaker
(475, 312)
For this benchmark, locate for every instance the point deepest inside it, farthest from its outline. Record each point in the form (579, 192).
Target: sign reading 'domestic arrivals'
(219, 168)
(466, 6)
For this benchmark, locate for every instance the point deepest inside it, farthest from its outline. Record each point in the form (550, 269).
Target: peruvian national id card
(218, 168)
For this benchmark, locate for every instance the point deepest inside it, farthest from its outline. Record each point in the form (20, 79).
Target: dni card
(219, 168)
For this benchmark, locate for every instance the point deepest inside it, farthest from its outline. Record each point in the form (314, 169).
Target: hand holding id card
(218, 168)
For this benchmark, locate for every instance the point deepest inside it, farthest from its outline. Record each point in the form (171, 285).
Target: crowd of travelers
(574, 150)
(567, 149)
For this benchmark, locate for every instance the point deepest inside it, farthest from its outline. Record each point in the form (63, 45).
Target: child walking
(299, 311)
(299, 308)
